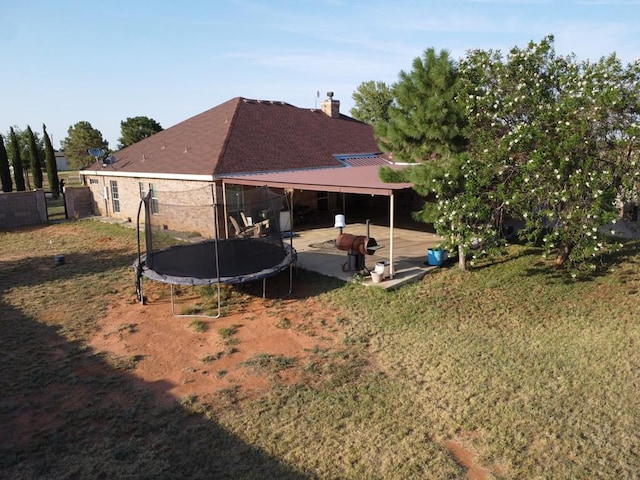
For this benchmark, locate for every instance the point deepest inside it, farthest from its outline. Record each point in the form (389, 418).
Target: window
(93, 181)
(155, 206)
(115, 197)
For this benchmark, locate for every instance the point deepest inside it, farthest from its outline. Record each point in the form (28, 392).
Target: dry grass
(539, 377)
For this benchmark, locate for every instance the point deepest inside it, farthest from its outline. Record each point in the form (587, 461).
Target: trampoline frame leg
(195, 315)
(139, 292)
(202, 315)
(264, 285)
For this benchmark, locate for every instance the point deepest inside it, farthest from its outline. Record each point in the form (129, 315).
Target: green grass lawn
(537, 375)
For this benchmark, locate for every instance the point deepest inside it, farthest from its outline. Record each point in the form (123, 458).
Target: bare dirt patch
(165, 350)
(466, 455)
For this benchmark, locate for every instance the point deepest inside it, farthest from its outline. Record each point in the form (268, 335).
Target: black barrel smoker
(356, 246)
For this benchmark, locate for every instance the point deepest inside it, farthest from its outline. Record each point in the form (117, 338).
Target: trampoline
(241, 260)
(251, 255)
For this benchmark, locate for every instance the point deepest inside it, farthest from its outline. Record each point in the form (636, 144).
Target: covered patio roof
(363, 180)
(359, 180)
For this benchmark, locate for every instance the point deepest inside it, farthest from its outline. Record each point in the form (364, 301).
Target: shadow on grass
(305, 284)
(550, 271)
(67, 413)
(498, 259)
(32, 271)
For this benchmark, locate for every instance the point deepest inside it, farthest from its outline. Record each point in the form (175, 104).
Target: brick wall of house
(184, 206)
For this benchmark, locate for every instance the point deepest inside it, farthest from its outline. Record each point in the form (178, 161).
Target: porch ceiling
(363, 180)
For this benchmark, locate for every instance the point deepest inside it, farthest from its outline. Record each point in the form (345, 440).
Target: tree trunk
(462, 259)
(563, 254)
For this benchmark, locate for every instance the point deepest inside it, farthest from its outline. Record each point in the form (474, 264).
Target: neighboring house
(214, 152)
(61, 161)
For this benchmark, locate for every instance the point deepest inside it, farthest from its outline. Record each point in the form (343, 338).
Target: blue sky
(66, 61)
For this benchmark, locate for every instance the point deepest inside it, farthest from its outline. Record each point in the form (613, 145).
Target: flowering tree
(561, 137)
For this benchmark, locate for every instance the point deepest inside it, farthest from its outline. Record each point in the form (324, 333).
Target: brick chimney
(330, 106)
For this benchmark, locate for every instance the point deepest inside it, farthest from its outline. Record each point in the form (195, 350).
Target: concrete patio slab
(317, 252)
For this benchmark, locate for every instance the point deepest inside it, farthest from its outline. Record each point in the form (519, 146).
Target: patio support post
(291, 214)
(224, 208)
(391, 220)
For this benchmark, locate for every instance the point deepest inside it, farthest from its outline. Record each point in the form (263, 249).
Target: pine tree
(5, 171)
(52, 168)
(425, 125)
(81, 137)
(36, 164)
(372, 102)
(18, 173)
(135, 129)
(425, 121)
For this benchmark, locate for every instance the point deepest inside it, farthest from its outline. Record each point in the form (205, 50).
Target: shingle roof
(245, 136)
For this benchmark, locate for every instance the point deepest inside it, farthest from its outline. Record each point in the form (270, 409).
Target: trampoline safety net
(235, 242)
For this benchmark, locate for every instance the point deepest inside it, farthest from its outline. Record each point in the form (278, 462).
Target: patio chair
(250, 231)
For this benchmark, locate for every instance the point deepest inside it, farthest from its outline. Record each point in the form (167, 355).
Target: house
(61, 161)
(320, 154)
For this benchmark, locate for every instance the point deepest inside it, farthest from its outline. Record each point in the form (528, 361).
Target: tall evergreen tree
(5, 170)
(80, 138)
(52, 168)
(134, 129)
(372, 102)
(425, 125)
(36, 164)
(18, 172)
(425, 119)
(22, 137)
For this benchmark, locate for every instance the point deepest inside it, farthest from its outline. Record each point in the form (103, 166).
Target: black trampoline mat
(240, 260)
